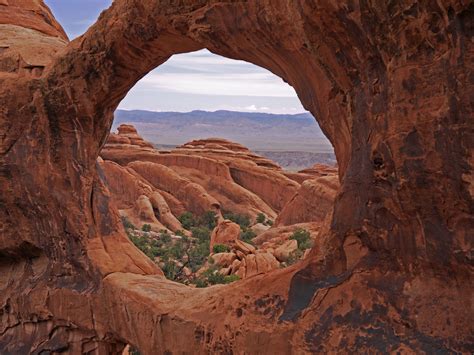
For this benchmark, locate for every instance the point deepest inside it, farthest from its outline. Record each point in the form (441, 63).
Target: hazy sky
(198, 80)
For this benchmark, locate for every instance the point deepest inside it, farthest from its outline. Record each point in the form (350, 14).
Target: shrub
(201, 233)
(177, 250)
(208, 220)
(214, 277)
(260, 218)
(170, 269)
(220, 248)
(165, 237)
(155, 251)
(146, 228)
(294, 257)
(303, 238)
(247, 236)
(140, 242)
(143, 243)
(269, 222)
(231, 278)
(198, 255)
(242, 220)
(180, 233)
(200, 283)
(187, 220)
(155, 243)
(126, 223)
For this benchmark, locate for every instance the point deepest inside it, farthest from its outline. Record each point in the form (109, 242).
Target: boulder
(258, 263)
(226, 232)
(224, 259)
(275, 236)
(250, 265)
(235, 266)
(239, 254)
(259, 228)
(283, 252)
(266, 262)
(225, 271)
(244, 247)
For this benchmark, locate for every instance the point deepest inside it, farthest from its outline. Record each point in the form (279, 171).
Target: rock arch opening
(390, 86)
(206, 208)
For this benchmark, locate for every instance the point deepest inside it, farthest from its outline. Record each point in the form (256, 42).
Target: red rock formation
(315, 171)
(275, 237)
(222, 149)
(312, 203)
(129, 132)
(226, 232)
(273, 187)
(391, 85)
(34, 15)
(253, 172)
(198, 174)
(137, 200)
(193, 196)
(29, 36)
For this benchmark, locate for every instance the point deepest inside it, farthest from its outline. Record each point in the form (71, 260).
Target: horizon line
(219, 110)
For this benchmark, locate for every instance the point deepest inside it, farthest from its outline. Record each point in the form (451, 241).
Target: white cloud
(205, 81)
(202, 72)
(250, 84)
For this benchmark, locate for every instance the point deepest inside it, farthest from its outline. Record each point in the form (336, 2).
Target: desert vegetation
(185, 256)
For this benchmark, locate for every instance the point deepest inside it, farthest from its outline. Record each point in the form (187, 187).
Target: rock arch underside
(391, 84)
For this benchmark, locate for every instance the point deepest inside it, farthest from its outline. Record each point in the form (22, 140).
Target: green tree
(165, 237)
(220, 248)
(126, 223)
(208, 220)
(200, 283)
(198, 255)
(201, 233)
(242, 220)
(177, 250)
(231, 278)
(294, 257)
(303, 238)
(247, 236)
(170, 269)
(260, 218)
(146, 228)
(187, 220)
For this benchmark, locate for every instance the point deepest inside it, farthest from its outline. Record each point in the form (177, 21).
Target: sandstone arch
(391, 85)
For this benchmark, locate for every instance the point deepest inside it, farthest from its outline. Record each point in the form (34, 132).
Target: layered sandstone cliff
(200, 176)
(234, 179)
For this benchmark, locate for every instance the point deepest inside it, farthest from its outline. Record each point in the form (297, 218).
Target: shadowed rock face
(391, 85)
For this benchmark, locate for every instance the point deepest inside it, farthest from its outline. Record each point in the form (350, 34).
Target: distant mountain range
(258, 131)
